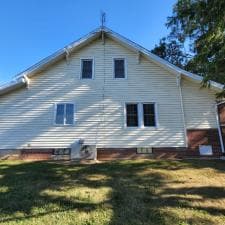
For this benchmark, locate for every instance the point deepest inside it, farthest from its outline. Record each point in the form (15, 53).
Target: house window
(64, 114)
(119, 68)
(149, 114)
(86, 68)
(132, 115)
(140, 115)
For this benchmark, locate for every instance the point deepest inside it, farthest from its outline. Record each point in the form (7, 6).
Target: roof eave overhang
(13, 85)
(60, 54)
(161, 62)
(40, 66)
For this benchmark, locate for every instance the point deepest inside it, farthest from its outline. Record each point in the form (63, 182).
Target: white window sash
(64, 115)
(81, 68)
(141, 115)
(125, 68)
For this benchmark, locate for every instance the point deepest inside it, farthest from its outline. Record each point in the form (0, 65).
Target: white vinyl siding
(26, 115)
(199, 106)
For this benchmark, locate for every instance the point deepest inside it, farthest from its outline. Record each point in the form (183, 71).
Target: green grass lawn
(115, 193)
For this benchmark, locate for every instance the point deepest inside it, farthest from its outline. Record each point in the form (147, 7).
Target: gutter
(15, 84)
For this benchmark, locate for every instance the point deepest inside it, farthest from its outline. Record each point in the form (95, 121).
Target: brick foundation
(36, 154)
(9, 154)
(169, 153)
(195, 138)
(119, 153)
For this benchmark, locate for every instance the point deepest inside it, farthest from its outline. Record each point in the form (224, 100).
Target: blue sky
(33, 29)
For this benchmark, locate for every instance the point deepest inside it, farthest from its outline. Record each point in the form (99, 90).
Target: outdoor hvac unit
(88, 152)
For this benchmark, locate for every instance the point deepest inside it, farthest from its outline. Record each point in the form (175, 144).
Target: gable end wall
(27, 115)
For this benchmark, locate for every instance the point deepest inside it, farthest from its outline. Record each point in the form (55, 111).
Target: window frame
(132, 103)
(155, 114)
(55, 113)
(141, 115)
(125, 68)
(81, 68)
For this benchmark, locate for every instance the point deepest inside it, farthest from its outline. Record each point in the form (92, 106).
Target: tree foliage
(201, 25)
(171, 51)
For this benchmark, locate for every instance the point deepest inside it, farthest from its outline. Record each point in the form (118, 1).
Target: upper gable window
(119, 68)
(86, 68)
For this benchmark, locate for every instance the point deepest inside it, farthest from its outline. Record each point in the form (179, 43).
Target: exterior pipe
(182, 108)
(218, 126)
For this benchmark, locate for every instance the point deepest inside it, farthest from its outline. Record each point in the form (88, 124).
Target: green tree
(171, 51)
(201, 24)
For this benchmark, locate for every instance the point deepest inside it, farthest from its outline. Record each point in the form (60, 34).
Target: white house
(108, 92)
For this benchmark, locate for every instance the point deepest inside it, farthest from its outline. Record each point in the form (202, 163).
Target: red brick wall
(198, 137)
(36, 154)
(169, 153)
(221, 112)
(116, 153)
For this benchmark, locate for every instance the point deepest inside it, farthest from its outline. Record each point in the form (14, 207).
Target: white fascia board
(58, 55)
(22, 79)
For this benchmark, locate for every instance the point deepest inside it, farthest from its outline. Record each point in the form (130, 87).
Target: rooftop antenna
(103, 18)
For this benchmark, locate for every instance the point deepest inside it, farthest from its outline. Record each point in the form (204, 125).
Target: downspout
(218, 126)
(182, 108)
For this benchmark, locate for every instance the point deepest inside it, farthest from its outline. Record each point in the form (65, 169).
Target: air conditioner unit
(88, 152)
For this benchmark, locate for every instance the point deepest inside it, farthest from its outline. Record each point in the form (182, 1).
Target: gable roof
(22, 79)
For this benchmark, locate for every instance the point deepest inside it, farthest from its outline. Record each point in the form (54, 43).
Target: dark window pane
(149, 115)
(69, 113)
(119, 68)
(132, 115)
(59, 114)
(87, 68)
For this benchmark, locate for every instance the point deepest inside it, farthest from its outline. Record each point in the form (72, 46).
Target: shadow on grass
(134, 198)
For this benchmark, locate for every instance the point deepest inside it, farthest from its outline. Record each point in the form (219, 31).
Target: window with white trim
(140, 115)
(64, 114)
(149, 115)
(119, 68)
(132, 115)
(86, 68)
